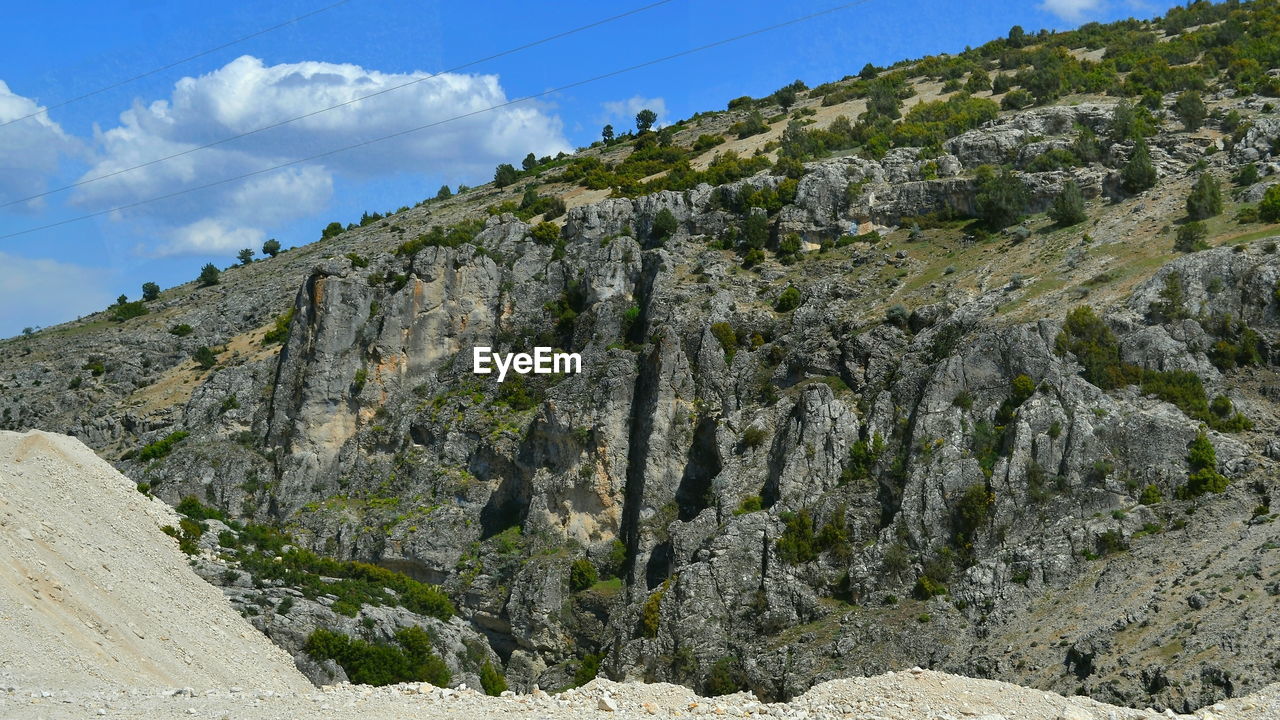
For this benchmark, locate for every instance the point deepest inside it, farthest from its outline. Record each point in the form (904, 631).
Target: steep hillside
(94, 596)
(965, 388)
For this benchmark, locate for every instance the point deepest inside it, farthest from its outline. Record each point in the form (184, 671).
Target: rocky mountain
(826, 423)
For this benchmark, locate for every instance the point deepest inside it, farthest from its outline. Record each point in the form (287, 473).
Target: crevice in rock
(658, 568)
(702, 465)
(643, 401)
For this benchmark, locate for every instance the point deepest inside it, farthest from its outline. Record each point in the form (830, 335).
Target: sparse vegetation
(209, 275)
(162, 447)
(1068, 206)
(409, 660)
(1202, 462)
(1205, 200)
(582, 575)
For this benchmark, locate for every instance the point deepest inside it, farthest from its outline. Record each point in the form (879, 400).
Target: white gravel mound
(94, 595)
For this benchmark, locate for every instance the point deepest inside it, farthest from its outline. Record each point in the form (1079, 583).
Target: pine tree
(1001, 198)
(1190, 110)
(1139, 173)
(1269, 208)
(1205, 199)
(209, 275)
(645, 120)
(1068, 207)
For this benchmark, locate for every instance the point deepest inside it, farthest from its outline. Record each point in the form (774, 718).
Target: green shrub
(410, 660)
(1068, 206)
(651, 612)
(358, 382)
(209, 275)
(1112, 541)
(1017, 100)
(1205, 200)
(970, 515)
(1202, 462)
(582, 575)
(162, 447)
(726, 677)
(750, 504)
(963, 400)
(333, 229)
(459, 233)
(797, 545)
(1054, 159)
(1002, 198)
(1190, 109)
(491, 680)
(1269, 208)
(188, 535)
(196, 510)
(927, 587)
(1247, 175)
(706, 142)
(664, 226)
(1138, 173)
(128, 311)
(754, 124)
(204, 357)
(150, 291)
(1191, 237)
(545, 233)
(271, 247)
(588, 668)
(753, 437)
(728, 338)
(278, 333)
(862, 458)
(789, 299)
(181, 330)
(1151, 495)
(897, 314)
(617, 559)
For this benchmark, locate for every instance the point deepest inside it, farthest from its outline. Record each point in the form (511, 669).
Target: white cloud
(246, 94)
(63, 291)
(30, 149)
(623, 112)
(1072, 10)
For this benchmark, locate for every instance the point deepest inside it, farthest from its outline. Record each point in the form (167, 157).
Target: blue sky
(59, 49)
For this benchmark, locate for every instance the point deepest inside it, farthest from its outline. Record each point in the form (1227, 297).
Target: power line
(174, 64)
(597, 78)
(352, 101)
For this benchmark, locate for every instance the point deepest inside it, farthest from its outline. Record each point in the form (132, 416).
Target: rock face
(774, 495)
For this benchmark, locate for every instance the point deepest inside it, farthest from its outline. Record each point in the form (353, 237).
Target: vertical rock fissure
(643, 402)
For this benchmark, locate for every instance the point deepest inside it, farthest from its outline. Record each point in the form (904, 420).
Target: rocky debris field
(910, 695)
